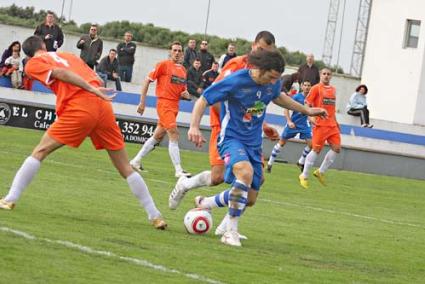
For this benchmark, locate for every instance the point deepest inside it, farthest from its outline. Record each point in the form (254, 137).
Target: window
(411, 38)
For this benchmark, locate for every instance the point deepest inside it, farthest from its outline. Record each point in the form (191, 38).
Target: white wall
(393, 73)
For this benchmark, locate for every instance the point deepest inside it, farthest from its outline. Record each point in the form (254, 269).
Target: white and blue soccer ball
(198, 221)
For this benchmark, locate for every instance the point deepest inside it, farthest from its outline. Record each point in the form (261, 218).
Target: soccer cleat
(303, 181)
(159, 223)
(182, 173)
(269, 169)
(301, 166)
(219, 231)
(6, 205)
(177, 194)
(319, 176)
(231, 238)
(136, 165)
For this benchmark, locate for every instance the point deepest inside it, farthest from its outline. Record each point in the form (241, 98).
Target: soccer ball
(198, 221)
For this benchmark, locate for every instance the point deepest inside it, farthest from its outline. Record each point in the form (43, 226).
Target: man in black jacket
(206, 58)
(190, 54)
(91, 47)
(108, 69)
(51, 33)
(126, 51)
(309, 71)
(194, 79)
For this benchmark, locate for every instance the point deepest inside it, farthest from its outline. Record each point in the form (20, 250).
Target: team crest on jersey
(256, 110)
(269, 91)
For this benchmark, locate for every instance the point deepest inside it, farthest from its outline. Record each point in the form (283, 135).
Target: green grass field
(79, 223)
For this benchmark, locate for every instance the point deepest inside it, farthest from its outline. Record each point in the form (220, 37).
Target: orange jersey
(40, 68)
(233, 65)
(323, 96)
(171, 79)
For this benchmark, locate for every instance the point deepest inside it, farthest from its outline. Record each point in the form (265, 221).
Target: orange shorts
(215, 159)
(167, 111)
(87, 116)
(321, 134)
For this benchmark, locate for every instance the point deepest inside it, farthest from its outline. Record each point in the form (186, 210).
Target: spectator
(357, 106)
(194, 79)
(14, 70)
(14, 46)
(309, 71)
(209, 76)
(108, 69)
(231, 53)
(190, 54)
(288, 80)
(206, 58)
(91, 47)
(51, 33)
(126, 51)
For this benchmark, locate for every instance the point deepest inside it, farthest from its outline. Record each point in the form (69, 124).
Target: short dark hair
(267, 36)
(113, 49)
(49, 12)
(176, 42)
(32, 44)
(362, 86)
(93, 25)
(267, 60)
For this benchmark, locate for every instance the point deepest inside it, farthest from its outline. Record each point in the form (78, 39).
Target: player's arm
(70, 77)
(288, 118)
(145, 87)
(194, 134)
(287, 102)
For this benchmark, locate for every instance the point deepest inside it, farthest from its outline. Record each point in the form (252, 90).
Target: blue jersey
(299, 119)
(243, 106)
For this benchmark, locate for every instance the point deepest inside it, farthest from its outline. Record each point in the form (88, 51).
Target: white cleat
(219, 231)
(136, 165)
(231, 238)
(182, 173)
(6, 205)
(177, 194)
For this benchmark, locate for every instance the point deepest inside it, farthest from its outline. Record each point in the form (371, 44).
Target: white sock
(232, 224)
(223, 224)
(273, 155)
(309, 163)
(174, 152)
(22, 179)
(146, 148)
(201, 179)
(328, 161)
(141, 191)
(304, 155)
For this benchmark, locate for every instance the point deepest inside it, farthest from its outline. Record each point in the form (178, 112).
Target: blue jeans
(105, 78)
(126, 72)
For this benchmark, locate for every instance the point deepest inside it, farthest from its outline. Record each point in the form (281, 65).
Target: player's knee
(243, 171)
(217, 178)
(40, 152)
(173, 134)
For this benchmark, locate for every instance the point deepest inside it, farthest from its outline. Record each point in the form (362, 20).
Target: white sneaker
(177, 194)
(136, 165)
(219, 231)
(182, 173)
(231, 238)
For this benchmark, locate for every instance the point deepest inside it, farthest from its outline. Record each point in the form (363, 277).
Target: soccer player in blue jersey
(244, 96)
(296, 124)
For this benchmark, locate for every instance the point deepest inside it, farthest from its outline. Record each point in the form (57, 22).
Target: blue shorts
(232, 151)
(288, 133)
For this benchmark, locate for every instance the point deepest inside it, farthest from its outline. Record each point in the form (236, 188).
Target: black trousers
(362, 112)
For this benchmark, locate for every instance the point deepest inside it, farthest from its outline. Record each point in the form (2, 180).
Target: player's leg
(147, 147)
(318, 142)
(174, 152)
(29, 169)
(276, 150)
(137, 185)
(306, 135)
(334, 141)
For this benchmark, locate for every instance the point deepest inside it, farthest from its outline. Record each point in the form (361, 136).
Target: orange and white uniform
(80, 114)
(325, 129)
(233, 65)
(171, 82)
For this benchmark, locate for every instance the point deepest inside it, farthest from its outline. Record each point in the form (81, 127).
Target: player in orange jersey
(83, 110)
(170, 88)
(325, 129)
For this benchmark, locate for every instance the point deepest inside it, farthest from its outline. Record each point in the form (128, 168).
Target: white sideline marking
(89, 250)
(344, 213)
